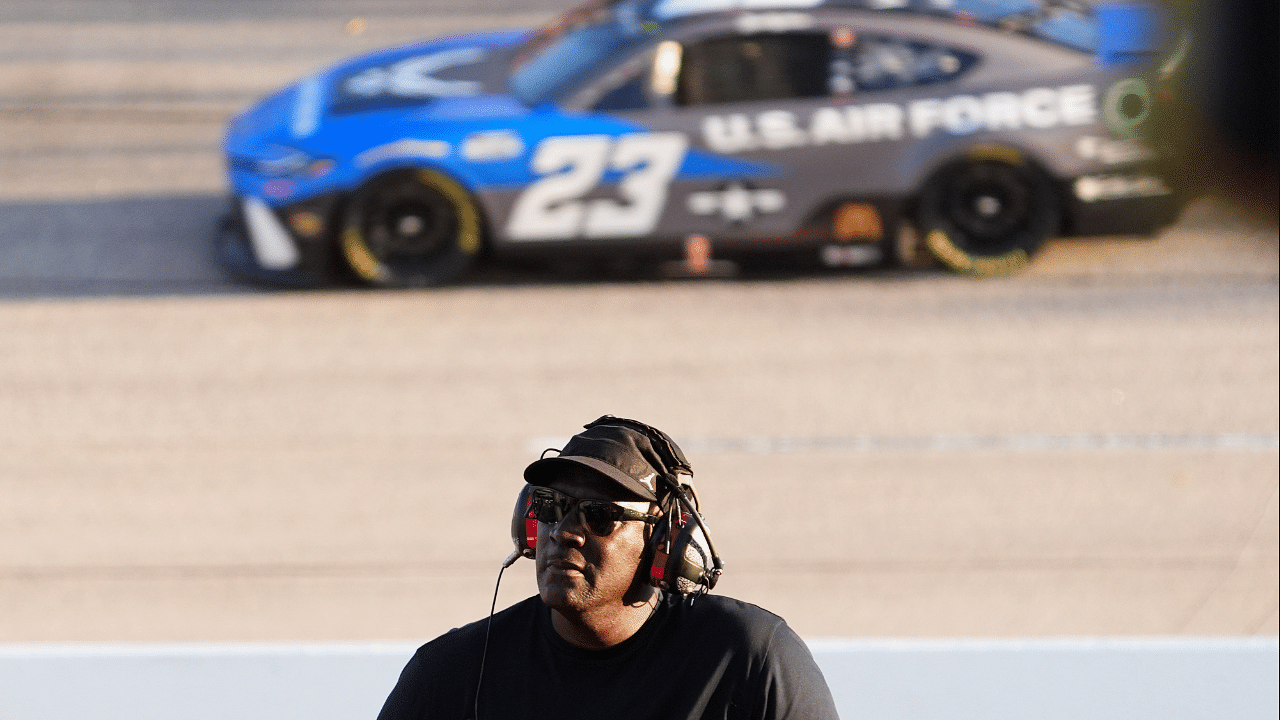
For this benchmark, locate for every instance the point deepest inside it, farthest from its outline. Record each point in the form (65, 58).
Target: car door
(802, 110)
(702, 83)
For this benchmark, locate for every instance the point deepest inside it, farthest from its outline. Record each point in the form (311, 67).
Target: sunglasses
(599, 517)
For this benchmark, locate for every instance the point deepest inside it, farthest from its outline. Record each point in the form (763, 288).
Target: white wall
(1080, 679)
(1069, 679)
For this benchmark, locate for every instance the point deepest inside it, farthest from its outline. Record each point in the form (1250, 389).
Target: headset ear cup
(524, 529)
(681, 563)
(690, 563)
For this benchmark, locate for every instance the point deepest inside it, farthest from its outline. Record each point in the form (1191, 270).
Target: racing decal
(1037, 108)
(736, 203)
(851, 255)
(492, 145)
(406, 148)
(1112, 152)
(306, 223)
(774, 22)
(271, 244)
(1126, 105)
(668, 9)
(857, 221)
(1092, 188)
(307, 108)
(278, 188)
(569, 167)
(413, 78)
(781, 129)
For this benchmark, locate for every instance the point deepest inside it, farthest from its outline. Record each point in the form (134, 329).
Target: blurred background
(1225, 122)
(1087, 448)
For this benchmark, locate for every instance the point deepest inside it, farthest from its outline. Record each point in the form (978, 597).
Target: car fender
(926, 158)
(454, 173)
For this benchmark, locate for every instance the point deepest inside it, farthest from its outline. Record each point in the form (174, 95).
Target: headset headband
(677, 476)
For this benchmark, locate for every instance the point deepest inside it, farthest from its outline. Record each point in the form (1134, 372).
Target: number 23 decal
(571, 166)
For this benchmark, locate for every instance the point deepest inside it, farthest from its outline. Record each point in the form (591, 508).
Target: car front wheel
(984, 216)
(414, 228)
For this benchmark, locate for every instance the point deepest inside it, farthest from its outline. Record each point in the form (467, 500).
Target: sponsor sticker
(1036, 108)
(406, 148)
(492, 145)
(736, 203)
(1092, 188)
(776, 22)
(307, 108)
(1112, 152)
(857, 221)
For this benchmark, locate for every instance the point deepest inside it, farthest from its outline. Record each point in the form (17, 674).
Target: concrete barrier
(1042, 679)
(1061, 679)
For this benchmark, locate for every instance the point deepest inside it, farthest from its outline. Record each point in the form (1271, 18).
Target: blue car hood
(460, 66)
(458, 72)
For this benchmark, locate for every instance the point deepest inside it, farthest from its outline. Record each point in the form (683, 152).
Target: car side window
(630, 95)
(873, 63)
(779, 66)
(625, 87)
(767, 66)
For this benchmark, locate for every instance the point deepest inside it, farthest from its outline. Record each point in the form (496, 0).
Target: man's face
(578, 572)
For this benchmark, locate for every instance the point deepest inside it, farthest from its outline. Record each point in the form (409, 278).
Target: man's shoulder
(725, 607)
(779, 676)
(729, 618)
(464, 641)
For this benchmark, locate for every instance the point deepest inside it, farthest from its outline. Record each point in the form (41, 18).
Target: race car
(703, 132)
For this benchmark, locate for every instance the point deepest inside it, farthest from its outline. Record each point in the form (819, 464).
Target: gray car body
(818, 174)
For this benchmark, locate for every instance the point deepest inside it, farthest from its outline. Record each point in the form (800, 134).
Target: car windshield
(558, 55)
(1067, 27)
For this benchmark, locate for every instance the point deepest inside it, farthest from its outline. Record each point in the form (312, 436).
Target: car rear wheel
(411, 229)
(986, 216)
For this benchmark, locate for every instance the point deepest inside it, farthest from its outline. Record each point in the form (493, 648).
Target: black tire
(987, 216)
(415, 228)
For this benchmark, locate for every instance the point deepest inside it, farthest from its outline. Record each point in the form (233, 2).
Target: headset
(679, 553)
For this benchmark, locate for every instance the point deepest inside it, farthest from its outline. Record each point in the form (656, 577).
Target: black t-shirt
(694, 659)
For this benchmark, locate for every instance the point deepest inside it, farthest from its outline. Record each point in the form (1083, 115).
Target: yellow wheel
(413, 228)
(987, 215)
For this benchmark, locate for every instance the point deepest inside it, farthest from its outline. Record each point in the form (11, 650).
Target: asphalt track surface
(1087, 448)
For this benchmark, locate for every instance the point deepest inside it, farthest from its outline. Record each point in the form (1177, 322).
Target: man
(621, 627)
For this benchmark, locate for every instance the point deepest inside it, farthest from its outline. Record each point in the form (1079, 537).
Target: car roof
(1014, 17)
(981, 11)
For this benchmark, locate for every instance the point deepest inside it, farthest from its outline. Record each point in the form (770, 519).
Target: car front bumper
(253, 244)
(1121, 203)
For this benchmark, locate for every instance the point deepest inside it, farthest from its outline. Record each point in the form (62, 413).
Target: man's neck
(603, 627)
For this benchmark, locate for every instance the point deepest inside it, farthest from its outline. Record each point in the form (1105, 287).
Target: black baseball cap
(621, 451)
